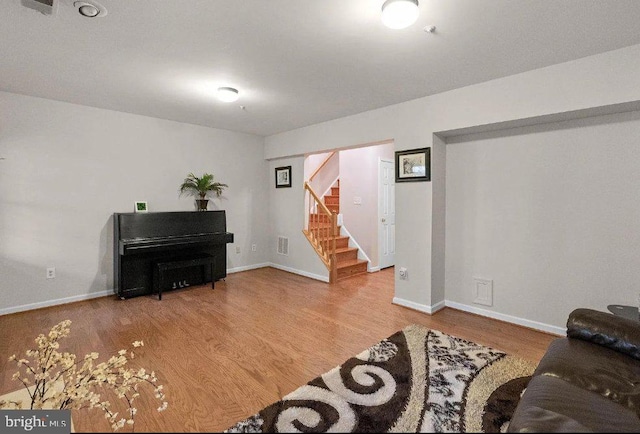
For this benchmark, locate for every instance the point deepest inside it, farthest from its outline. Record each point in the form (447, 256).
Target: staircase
(346, 262)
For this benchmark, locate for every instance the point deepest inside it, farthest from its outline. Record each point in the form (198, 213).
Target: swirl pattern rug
(417, 380)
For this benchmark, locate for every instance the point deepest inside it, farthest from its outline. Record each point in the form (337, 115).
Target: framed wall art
(283, 176)
(413, 165)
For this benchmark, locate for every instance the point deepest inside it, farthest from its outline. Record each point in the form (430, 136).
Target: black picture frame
(283, 177)
(413, 165)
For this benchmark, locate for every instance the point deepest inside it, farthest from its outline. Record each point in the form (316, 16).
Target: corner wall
(68, 168)
(549, 213)
(286, 216)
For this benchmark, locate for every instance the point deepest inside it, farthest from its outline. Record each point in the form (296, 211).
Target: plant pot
(202, 204)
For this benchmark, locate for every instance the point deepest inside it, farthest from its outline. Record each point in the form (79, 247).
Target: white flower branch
(59, 380)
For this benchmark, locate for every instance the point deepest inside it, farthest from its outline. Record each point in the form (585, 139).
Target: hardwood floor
(224, 354)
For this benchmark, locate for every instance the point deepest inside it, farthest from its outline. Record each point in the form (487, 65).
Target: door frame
(380, 232)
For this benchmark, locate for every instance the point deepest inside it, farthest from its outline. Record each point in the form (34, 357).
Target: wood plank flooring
(224, 354)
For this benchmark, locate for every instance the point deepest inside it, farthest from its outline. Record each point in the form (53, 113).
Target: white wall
(68, 168)
(359, 179)
(287, 217)
(603, 81)
(550, 213)
(438, 222)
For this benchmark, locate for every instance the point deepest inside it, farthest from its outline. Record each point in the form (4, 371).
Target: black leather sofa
(588, 381)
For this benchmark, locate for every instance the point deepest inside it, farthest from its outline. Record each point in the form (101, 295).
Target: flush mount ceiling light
(227, 94)
(398, 14)
(90, 9)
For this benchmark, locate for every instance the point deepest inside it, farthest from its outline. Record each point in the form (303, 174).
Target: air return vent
(283, 246)
(47, 7)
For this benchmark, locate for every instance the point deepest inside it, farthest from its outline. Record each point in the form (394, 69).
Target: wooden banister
(324, 163)
(318, 201)
(321, 229)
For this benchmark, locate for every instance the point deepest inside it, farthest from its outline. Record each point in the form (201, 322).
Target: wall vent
(283, 246)
(483, 291)
(46, 7)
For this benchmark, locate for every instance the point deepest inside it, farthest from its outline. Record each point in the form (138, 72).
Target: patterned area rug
(417, 380)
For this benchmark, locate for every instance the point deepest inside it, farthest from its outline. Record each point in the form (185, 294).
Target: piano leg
(158, 281)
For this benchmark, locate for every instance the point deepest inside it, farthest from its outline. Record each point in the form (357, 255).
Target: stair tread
(345, 249)
(350, 263)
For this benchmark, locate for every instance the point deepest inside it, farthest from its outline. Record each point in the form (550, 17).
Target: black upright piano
(141, 240)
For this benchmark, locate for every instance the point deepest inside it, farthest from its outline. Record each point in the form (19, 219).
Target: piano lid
(143, 245)
(170, 224)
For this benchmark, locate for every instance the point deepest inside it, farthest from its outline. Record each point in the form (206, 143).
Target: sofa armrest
(611, 331)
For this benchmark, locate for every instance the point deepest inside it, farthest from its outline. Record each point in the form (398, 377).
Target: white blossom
(61, 381)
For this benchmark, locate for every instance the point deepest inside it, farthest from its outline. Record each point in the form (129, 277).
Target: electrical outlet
(51, 273)
(254, 247)
(404, 274)
(238, 249)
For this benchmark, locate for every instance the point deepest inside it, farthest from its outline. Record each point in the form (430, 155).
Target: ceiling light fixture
(398, 14)
(227, 94)
(90, 9)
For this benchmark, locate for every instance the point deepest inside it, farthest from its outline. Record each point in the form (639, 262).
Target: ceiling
(295, 62)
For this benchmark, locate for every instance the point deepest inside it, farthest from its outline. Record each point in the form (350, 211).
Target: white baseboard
(41, 304)
(247, 267)
(438, 306)
(560, 331)
(483, 312)
(48, 303)
(300, 272)
(418, 306)
(373, 269)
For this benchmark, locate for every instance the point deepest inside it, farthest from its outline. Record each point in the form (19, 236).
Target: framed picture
(141, 206)
(283, 176)
(413, 165)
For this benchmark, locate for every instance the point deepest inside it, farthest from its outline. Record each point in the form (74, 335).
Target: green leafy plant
(201, 186)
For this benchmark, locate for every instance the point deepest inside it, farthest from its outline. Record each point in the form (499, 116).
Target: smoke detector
(90, 9)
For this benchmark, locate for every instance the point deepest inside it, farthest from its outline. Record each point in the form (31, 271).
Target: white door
(386, 214)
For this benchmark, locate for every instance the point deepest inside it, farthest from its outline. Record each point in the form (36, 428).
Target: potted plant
(201, 187)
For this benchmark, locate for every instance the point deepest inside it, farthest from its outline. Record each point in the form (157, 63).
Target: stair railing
(321, 230)
(324, 163)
